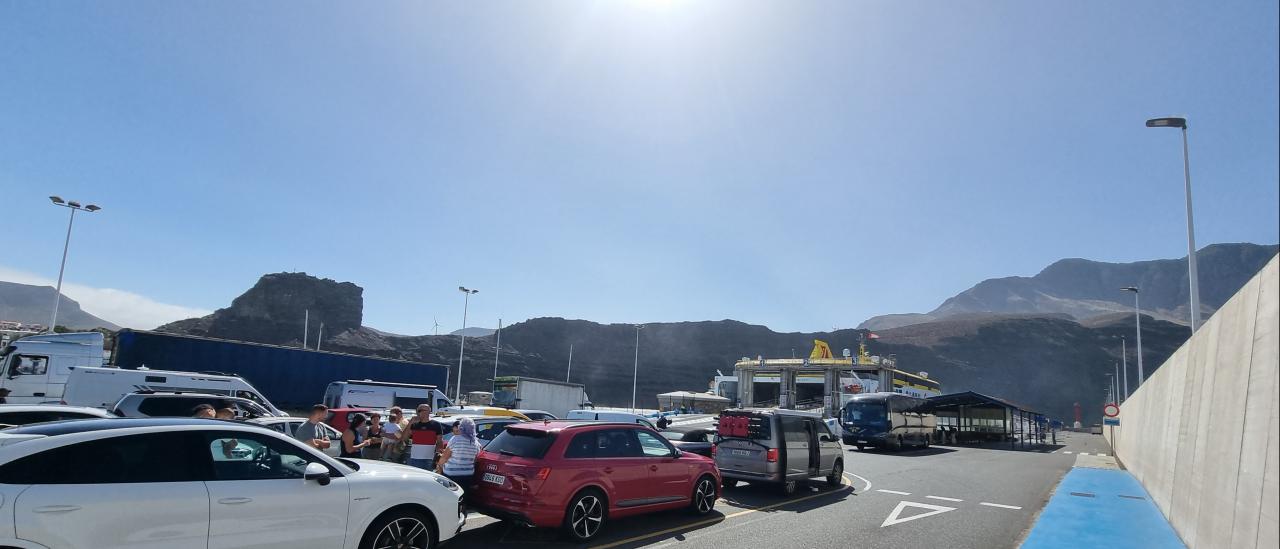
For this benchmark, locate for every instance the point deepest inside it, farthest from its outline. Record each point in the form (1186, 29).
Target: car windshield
(672, 435)
(864, 412)
(523, 443)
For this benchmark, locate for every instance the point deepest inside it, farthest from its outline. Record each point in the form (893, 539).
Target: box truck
(526, 393)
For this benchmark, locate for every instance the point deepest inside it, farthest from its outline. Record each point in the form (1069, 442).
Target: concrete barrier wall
(1201, 432)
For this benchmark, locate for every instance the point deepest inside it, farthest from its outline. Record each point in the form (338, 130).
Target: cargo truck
(526, 393)
(35, 369)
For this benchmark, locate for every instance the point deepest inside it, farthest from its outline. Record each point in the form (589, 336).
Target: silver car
(774, 446)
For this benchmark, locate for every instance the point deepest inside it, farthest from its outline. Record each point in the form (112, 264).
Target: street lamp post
(74, 207)
(457, 393)
(1124, 364)
(1174, 122)
(497, 350)
(1137, 316)
(635, 372)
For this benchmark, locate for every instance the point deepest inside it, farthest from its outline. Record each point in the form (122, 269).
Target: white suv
(177, 482)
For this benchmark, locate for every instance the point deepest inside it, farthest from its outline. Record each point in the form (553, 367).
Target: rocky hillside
(1046, 362)
(33, 304)
(1083, 289)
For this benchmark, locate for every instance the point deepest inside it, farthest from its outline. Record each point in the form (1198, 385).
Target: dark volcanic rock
(275, 309)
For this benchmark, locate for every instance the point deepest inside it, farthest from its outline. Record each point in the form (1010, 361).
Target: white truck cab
(35, 369)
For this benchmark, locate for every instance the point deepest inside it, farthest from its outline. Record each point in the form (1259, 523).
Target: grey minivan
(782, 447)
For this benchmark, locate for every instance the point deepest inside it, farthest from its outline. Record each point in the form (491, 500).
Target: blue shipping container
(288, 376)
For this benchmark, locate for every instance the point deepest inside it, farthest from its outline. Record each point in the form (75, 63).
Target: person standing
(458, 462)
(353, 439)
(310, 431)
(425, 434)
(374, 435)
(392, 446)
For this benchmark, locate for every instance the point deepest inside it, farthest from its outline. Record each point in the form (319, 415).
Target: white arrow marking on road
(894, 517)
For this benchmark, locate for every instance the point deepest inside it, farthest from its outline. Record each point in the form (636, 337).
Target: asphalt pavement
(949, 496)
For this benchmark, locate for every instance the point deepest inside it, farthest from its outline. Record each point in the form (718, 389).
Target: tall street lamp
(466, 300)
(1137, 316)
(1173, 122)
(74, 207)
(1124, 364)
(635, 372)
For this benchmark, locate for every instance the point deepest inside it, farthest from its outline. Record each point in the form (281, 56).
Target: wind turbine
(437, 327)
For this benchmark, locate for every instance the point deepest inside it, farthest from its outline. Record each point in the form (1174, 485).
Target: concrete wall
(1201, 432)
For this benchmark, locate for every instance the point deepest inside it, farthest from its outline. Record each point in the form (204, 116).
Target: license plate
(862, 442)
(495, 479)
(742, 452)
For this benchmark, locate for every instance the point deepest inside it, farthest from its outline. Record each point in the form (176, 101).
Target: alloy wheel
(587, 516)
(403, 533)
(705, 496)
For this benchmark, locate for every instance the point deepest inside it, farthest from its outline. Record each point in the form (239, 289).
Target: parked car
(698, 441)
(340, 418)
(23, 414)
(487, 427)
(182, 482)
(538, 415)
(609, 415)
(289, 425)
(782, 447)
(151, 404)
(577, 476)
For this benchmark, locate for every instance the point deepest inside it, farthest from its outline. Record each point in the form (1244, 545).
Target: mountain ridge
(1085, 288)
(30, 304)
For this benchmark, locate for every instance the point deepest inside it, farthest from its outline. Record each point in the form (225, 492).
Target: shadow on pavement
(918, 452)
(1029, 448)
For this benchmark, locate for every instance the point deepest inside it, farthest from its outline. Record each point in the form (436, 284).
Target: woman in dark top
(352, 440)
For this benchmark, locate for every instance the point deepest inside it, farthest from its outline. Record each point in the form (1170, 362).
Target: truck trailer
(526, 393)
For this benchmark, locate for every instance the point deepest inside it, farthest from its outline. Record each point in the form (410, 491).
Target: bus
(887, 420)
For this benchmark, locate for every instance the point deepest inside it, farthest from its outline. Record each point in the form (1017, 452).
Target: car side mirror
(317, 472)
(826, 438)
(675, 452)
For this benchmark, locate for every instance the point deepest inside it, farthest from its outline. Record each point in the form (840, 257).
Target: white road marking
(1083, 453)
(894, 492)
(895, 518)
(1066, 452)
(865, 481)
(943, 499)
(999, 505)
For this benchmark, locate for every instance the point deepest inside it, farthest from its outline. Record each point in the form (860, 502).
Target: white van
(103, 387)
(381, 395)
(35, 369)
(608, 415)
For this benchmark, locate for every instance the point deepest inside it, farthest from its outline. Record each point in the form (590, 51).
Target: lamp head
(57, 200)
(1169, 122)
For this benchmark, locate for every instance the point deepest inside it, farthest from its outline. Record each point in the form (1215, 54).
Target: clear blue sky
(802, 165)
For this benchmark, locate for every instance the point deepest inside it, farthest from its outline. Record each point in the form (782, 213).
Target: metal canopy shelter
(971, 416)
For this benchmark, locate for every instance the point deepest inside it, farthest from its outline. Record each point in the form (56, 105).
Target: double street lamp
(1175, 122)
(457, 394)
(74, 207)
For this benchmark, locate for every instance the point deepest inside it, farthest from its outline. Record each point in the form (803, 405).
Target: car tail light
(713, 450)
(772, 455)
(543, 473)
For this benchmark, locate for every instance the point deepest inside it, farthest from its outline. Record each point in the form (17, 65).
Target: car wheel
(837, 474)
(788, 488)
(729, 483)
(585, 516)
(403, 528)
(704, 496)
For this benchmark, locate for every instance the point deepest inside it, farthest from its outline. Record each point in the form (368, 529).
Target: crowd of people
(418, 441)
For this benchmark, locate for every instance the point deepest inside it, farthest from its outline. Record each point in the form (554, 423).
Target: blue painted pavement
(1104, 520)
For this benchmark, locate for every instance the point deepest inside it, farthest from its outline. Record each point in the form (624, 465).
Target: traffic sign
(1111, 410)
(1112, 421)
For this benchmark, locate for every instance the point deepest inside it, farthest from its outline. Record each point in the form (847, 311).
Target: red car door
(623, 466)
(669, 476)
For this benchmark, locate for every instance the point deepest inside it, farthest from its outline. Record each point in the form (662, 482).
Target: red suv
(578, 475)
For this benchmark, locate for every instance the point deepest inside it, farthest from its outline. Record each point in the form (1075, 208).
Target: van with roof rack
(776, 446)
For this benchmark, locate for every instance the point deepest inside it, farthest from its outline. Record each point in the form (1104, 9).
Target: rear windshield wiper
(508, 453)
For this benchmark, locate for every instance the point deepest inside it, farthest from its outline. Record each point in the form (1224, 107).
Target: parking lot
(964, 496)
